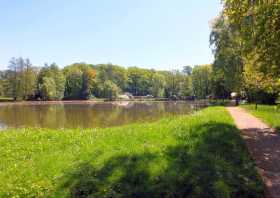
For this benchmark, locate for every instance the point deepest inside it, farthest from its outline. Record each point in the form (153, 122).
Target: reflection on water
(85, 115)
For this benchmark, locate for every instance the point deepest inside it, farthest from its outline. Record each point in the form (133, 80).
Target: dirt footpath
(263, 143)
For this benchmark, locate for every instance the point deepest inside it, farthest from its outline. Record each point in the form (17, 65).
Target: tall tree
(14, 78)
(246, 36)
(30, 79)
(88, 78)
(113, 73)
(138, 81)
(175, 81)
(201, 81)
(228, 63)
(157, 85)
(80, 80)
(110, 90)
(51, 76)
(187, 70)
(22, 79)
(48, 88)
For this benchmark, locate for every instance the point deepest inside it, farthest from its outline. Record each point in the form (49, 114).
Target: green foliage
(74, 84)
(48, 88)
(138, 81)
(51, 83)
(201, 81)
(85, 81)
(2, 83)
(80, 81)
(228, 65)
(174, 157)
(187, 87)
(29, 80)
(108, 72)
(113, 73)
(157, 85)
(15, 78)
(175, 81)
(110, 90)
(187, 70)
(247, 50)
(88, 79)
(21, 79)
(261, 87)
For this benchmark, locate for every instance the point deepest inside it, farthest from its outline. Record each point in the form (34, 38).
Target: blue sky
(160, 34)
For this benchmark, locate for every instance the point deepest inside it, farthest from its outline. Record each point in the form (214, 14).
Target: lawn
(199, 155)
(268, 113)
(6, 99)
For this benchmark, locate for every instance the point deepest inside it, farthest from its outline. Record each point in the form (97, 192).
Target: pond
(87, 115)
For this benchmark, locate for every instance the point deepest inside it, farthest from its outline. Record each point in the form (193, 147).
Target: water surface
(88, 115)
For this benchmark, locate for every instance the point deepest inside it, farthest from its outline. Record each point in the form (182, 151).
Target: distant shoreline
(93, 101)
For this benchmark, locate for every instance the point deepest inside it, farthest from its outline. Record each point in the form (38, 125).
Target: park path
(263, 143)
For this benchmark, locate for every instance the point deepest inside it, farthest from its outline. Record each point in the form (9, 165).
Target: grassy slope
(198, 155)
(267, 113)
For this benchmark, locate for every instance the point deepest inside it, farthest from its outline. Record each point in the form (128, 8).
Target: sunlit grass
(268, 113)
(6, 99)
(194, 155)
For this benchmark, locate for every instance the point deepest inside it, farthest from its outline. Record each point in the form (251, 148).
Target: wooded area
(22, 81)
(245, 40)
(245, 43)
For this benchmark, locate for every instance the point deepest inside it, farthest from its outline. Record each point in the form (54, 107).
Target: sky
(159, 34)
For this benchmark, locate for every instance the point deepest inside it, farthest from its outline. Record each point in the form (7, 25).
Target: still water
(88, 115)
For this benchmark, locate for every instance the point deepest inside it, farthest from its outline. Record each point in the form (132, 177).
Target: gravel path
(263, 143)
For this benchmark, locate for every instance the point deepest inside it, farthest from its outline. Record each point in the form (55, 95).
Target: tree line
(81, 81)
(245, 41)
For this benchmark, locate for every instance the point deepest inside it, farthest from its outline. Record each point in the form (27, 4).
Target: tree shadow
(209, 161)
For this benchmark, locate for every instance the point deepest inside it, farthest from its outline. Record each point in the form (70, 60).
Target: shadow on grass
(208, 161)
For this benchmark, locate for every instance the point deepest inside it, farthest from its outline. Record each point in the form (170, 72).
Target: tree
(48, 88)
(2, 83)
(157, 85)
(74, 84)
(110, 90)
(114, 73)
(201, 81)
(246, 48)
(14, 79)
(187, 89)
(22, 79)
(260, 87)
(6, 83)
(88, 77)
(187, 70)
(51, 72)
(174, 83)
(138, 81)
(80, 81)
(109, 72)
(30, 79)
(228, 63)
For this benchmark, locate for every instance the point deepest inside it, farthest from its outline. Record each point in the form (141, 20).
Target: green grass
(6, 99)
(270, 114)
(199, 155)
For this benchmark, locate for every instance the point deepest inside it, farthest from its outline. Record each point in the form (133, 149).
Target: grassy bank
(6, 99)
(268, 113)
(197, 155)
